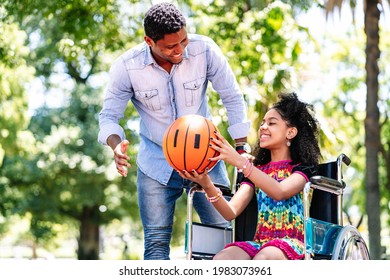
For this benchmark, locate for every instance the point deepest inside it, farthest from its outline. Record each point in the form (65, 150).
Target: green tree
(346, 104)
(14, 75)
(262, 41)
(71, 180)
(78, 173)
(15, 139)
(72, 41)
(372, 119)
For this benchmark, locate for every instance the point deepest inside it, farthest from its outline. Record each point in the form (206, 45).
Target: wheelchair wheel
(350, 245)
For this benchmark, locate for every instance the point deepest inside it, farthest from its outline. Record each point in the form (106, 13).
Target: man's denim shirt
(161, 97)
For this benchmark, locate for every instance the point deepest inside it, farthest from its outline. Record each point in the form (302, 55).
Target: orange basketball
(186, 143)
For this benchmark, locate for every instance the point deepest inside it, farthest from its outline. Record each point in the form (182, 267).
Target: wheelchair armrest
(226, 191)
(327, 184)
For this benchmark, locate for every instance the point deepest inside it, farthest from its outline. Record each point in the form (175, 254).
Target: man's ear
(148, 40)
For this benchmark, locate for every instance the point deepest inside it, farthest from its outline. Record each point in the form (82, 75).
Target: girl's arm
(276, 190)
(228, 209)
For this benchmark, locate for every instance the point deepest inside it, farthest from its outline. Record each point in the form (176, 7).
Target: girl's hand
(221, 145)
(203, 179)
(227, 152)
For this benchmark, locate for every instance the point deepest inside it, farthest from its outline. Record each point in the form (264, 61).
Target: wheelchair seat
(197, 247)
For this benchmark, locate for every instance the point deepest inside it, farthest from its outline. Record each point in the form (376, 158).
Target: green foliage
(76, 33)
(14, 75)
(384, 105)
(83, 165)
(344, 112)
(68, 172)
(71, 173)
(262, 43)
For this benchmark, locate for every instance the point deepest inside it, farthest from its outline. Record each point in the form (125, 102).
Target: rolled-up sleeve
(109, 129)
(239, 130)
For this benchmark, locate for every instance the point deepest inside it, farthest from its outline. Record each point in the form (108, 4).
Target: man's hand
(121, 158)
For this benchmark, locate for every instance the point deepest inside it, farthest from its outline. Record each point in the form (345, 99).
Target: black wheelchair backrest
(324, 204)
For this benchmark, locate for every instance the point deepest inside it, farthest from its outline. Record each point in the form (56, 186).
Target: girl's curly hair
(162, 19)
(304, 146)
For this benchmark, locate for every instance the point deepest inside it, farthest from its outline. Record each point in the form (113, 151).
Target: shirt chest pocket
(149, 98)
(193, 91)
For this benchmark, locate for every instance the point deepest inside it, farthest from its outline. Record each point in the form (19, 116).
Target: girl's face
(274, 132)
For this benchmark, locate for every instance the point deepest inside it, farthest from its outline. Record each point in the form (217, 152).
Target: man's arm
(113, 140)
(225, 84)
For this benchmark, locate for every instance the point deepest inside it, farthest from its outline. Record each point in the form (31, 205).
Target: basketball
(186, 143)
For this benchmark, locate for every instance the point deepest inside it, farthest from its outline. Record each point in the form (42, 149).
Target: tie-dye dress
(280, 223)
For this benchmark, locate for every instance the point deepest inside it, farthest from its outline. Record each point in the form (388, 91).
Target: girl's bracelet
(244, 166)
(214, 198)
(250, 171)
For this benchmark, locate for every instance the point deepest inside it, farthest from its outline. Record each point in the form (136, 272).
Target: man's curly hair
(304, 146)
(161, 19)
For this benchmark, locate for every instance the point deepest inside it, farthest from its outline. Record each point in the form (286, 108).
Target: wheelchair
(325, 236)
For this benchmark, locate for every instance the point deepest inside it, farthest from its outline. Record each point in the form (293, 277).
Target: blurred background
(60, 195)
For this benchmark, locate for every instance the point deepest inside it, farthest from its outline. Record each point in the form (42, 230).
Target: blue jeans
(157, 205)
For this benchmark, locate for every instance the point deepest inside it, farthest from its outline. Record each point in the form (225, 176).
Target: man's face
(170, 48)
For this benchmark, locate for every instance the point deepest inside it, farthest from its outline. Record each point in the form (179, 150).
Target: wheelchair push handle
(330, 180)
(344, 158)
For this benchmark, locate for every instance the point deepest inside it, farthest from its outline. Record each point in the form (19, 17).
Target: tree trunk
(34, 251)
(89, 235)
(372, 128)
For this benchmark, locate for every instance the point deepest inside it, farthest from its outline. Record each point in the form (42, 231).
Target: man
(166, 77)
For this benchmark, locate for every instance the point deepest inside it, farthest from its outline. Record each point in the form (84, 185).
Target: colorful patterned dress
(280, 223)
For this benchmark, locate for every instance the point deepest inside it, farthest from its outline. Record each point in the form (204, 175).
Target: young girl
(286, 156)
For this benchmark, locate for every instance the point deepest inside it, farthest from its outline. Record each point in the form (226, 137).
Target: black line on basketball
(175, 139)
(185, 146)
(197, 141)
(167, 148)
(208, 147)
